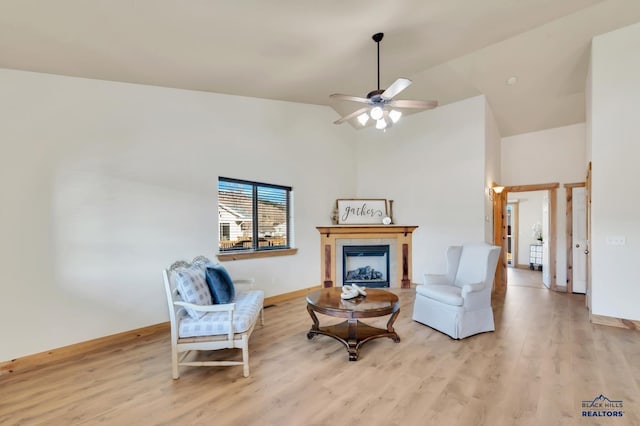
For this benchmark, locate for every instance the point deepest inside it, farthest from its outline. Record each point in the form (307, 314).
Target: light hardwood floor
(544, 359)
(525, 278)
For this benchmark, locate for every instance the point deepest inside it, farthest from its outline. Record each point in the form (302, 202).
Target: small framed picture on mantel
(371, 211)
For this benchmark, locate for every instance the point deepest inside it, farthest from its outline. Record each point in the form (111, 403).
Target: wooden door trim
(587, 300)
(534, 187)
(500, 231)
(553, 240)
(575, 185)
(569, 231)
(514, 237)
(499, 239)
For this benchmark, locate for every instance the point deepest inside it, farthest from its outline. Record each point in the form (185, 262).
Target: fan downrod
(377, 37)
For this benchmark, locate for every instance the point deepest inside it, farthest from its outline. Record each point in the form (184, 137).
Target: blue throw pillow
(220, 284)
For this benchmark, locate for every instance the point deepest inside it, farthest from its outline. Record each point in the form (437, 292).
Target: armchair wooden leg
(174, 363)
(245, 356)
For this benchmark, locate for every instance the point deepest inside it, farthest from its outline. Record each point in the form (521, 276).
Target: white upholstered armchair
(458, 303)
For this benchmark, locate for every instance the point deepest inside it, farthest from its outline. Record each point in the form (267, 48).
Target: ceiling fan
(381, 107)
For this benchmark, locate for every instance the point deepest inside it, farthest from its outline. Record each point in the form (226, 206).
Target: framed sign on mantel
(370, 211)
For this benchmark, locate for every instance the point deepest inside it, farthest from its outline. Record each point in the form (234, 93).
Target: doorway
(527, 230)
(530, 257)
(548, 227)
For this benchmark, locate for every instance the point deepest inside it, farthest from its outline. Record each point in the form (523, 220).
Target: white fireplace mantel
(329, 235)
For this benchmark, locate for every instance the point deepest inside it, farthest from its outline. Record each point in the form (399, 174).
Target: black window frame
(255, 240)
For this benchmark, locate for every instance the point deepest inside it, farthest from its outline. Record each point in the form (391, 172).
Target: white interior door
(546, 277)
(579, 240)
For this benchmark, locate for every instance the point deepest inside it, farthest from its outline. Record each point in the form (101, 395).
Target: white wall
(588, 112)
(615, 96)
(103, 184)
(432, 164)
(552, 155)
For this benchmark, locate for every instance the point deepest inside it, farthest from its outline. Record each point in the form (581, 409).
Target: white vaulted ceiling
(302, 51)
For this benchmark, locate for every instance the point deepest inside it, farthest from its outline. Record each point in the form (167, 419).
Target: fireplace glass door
(366, 265)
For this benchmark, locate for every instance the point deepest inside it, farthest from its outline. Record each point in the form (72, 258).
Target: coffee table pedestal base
(353, 333)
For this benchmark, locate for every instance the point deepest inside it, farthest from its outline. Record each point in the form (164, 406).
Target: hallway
(524, 278)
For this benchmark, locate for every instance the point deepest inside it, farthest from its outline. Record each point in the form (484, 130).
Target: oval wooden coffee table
(352, 332)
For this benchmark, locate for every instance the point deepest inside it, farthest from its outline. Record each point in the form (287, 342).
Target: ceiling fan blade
(398, 86)
(413, 104)
(349, 98)
(350, 116)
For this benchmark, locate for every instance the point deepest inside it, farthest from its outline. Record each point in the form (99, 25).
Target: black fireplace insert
(366, 265)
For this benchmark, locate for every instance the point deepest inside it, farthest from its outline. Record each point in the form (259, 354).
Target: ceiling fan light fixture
(363, 118)
(380, 103)
(381, 124)
(376, 113)
(395, 115)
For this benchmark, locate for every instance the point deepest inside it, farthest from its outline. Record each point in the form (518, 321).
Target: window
(225, 231)
(252, 216)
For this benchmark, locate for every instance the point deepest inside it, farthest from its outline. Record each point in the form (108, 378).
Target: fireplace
(366, 265)
(334, 238)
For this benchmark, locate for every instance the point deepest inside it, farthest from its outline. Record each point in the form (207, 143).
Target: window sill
(225, 257)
